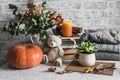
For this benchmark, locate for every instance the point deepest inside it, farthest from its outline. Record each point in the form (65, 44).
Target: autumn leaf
(30, 5)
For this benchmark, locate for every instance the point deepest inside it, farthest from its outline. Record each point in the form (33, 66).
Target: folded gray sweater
(107, 36)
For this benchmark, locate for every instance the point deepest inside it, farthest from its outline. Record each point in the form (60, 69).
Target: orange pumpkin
(24, 56)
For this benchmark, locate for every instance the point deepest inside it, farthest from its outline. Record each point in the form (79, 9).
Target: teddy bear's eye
(54, 41)
(50, 40)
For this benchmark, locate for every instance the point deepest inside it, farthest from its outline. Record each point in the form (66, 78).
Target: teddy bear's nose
(52, 44)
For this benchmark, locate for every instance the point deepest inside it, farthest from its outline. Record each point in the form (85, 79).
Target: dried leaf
(51, 69)
(24, 13)
(57, 20)
(88, 69)
(99, 66)
(30, 5)
(38, 9)
(54, 15)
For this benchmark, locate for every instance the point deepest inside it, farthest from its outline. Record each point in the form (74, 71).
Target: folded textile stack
(106, 40)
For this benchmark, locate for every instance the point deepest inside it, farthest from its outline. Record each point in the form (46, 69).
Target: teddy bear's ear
(59, 36)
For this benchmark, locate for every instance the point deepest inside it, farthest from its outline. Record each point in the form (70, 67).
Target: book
(70, 51)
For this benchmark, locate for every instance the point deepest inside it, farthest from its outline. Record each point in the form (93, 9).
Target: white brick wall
(84, 13)
(89, 13)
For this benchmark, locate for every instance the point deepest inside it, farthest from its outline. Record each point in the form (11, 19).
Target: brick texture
(91, 14)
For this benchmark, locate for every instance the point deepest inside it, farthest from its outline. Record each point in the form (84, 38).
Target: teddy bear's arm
(61, 51)
(46, 50)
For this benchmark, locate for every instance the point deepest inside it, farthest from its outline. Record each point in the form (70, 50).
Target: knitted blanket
(108, 47)
(107, 56)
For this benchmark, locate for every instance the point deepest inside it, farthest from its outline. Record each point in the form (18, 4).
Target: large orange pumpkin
(24, 56)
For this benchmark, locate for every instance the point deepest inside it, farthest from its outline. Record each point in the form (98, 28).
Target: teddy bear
(54, 52)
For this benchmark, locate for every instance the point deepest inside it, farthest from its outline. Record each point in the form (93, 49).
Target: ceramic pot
(87, 59)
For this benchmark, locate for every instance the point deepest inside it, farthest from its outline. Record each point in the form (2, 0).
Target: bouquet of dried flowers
(34, 20)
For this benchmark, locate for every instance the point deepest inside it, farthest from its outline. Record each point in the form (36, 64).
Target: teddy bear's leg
(45, 59)
(58, 62)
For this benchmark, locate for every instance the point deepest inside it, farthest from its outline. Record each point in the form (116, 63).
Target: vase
(35, 39)
(87, 59)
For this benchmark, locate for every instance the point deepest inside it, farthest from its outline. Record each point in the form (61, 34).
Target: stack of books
(69, 45)
(69, 53)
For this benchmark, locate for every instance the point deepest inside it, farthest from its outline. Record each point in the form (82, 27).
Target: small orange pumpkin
(24, 56)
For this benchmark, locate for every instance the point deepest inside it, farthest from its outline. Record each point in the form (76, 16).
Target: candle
(67, 28)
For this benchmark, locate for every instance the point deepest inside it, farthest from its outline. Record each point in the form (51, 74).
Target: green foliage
(87, 48)
(34, 20)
